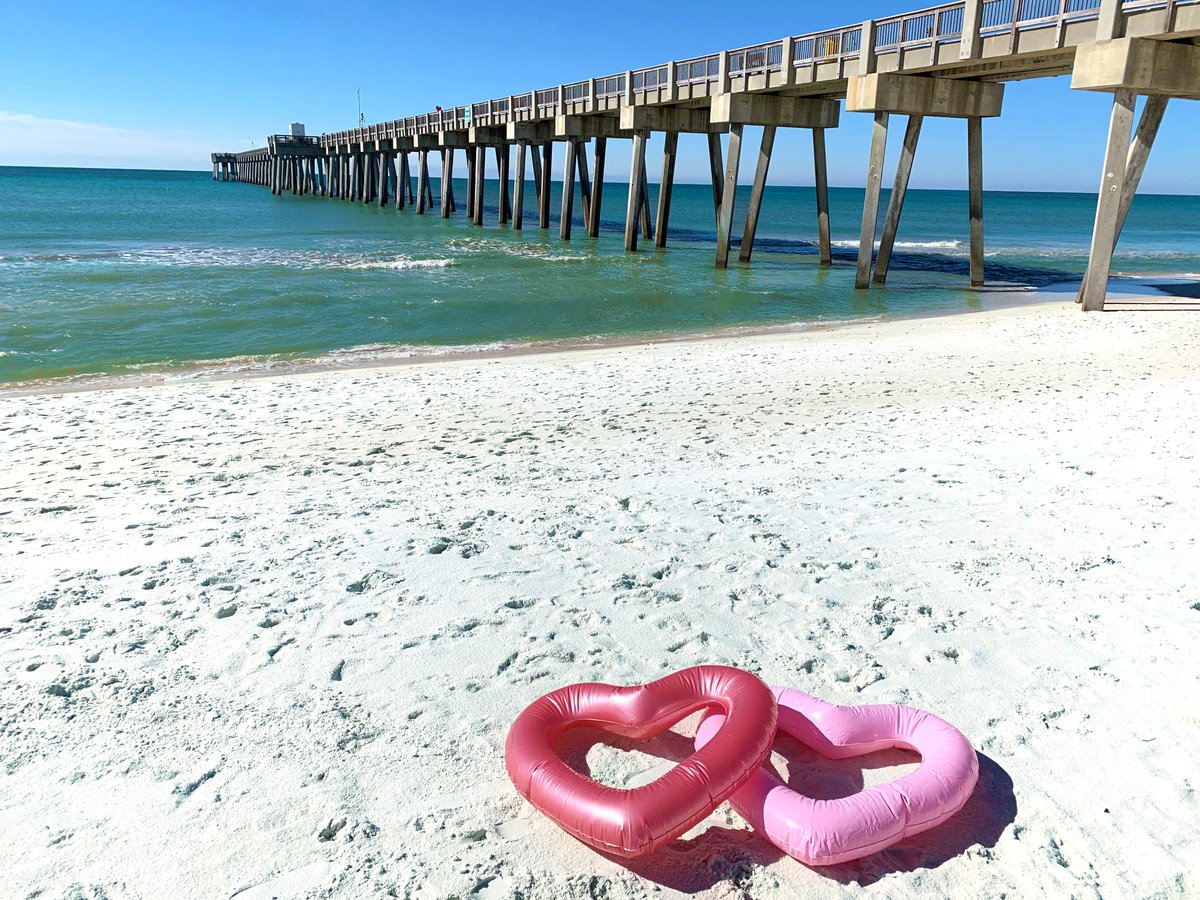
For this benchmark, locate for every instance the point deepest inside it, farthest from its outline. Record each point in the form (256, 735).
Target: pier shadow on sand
(722, 854)
(1173, 296)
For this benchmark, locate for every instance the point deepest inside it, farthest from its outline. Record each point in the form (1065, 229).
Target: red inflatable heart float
(635, 822)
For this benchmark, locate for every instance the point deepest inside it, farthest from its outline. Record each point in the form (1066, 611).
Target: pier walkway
(947, 61)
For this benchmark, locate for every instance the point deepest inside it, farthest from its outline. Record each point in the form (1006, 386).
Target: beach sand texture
(265, 638)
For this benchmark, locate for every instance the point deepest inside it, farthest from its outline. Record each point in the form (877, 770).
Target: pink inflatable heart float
(826, 832)
(732, 744)
(636, 822)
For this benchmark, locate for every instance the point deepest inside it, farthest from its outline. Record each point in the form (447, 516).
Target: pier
(948, 61)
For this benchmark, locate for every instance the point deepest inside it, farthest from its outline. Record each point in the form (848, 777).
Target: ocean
(115, 274)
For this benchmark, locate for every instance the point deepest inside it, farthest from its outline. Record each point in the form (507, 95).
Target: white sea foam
(540, 252)
(400, 265)
(909, 245)
(186, 256)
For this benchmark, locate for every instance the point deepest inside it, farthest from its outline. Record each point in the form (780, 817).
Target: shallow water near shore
(112, 273)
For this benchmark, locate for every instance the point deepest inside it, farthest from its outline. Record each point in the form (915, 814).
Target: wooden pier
(949, 61)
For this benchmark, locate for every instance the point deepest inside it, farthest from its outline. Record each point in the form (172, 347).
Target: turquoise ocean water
(108, 272)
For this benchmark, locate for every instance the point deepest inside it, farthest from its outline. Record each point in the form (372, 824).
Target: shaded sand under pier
(265, 637)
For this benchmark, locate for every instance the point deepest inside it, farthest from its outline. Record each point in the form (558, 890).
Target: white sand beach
(264, 638)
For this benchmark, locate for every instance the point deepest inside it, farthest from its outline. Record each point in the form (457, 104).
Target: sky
(162, 85)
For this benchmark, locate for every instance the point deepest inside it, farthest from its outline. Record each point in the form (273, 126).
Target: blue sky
(159, 85)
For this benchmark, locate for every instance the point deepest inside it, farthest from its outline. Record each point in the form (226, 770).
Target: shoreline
(397, 356)
(266, 367)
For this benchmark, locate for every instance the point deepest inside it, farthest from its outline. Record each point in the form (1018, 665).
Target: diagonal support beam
(1108, 205)
(870, 220)
(1139, 155)
(756, 195)
(568, 190)
(729, 196)
(891, 223)
(637, 198)
(665, 187)
(594, 204)
(822, 190)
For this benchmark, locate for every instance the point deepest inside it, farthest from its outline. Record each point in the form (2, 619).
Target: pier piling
(729, 195)
(891, 222)
(870, 219)
(821, 186)
(756, 195)
(568, 190)
(597, 193)
(423, 197)
(975, 199)
(665, 187)
(519, 188)
(637, 186)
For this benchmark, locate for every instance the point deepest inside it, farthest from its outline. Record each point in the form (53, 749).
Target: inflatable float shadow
(723, 854)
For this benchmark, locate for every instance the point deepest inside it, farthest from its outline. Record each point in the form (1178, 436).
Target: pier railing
(826, 55)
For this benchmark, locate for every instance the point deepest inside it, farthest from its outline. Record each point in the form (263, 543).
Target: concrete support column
(644, 212)
(666, 185)
(544, 185)
(385, 171)
(891, 223)
(447, 176)
(480, 180)
(568, 190)
(1108, 207)
(729, 196)
(422, 181)
(518, 222)
(370, 165)
(535, 161)
(716, 168)
(585, 183)
(971, 45)
(975, 185)
(636, 187)
(470, 185)
(1111, 23)
(597, 192)
(787, 60)
(502, 165)
(1139, 155)
(867, 60)
(821, 173)
(756, 195)
(866, 241)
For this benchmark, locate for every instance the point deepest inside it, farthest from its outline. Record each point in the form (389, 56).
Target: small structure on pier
(948, 61)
